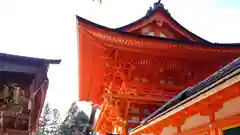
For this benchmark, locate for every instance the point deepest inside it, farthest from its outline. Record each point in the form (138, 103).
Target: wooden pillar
(213, 130)
(179, 121)
(126, 117)
(179, 129)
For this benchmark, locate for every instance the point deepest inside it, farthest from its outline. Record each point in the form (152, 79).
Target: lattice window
(136, 79)
(162, 81)
(146, 112)
(135, 119)
(144, 80)
(134, 110)
(170, 82)
(143, 62)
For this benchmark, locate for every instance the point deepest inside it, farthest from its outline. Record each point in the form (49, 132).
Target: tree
(45, 120)
(49, 121)
(55, 122)
(76, 122)
(65, 127)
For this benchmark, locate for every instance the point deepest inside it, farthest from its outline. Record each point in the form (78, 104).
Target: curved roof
(4, 56)
(90, 34)
(154, 38)
(159, 7)
(15, 63)
(195, 91)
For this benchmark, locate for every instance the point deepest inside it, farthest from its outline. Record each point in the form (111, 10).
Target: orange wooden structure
(133, 70)
(209, 108)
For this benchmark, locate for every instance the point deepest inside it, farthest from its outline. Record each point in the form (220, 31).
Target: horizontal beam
(141, 98)
(132, 101)
(25, 117)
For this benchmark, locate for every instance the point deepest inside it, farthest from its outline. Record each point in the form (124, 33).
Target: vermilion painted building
(149, 77)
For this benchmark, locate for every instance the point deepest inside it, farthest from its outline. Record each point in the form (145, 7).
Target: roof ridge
(156, 5)
(27, 58)
(85, 21)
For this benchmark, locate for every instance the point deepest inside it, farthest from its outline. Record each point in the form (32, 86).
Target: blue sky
(228, 3)
(47, 29)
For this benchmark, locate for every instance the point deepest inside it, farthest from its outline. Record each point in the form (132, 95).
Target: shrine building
(153, 76)
(23, 88)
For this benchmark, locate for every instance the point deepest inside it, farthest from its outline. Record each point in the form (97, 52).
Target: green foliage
(75, 121)
(45, 119)
(65, 129)
(49, 121)
(55, 122)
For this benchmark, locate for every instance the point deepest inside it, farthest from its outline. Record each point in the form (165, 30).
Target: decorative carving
(1, 120)
(116, 40)
(13, 101)
(16, 95)
(12, 94)
(6, 94)
(155, 7)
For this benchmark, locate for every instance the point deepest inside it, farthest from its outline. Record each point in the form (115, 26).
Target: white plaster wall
(230, 108)
(195, 121)
(170, 130)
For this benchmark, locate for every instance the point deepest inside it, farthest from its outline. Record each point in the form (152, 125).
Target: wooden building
(23, 87)
(208, 108)
(138, 72)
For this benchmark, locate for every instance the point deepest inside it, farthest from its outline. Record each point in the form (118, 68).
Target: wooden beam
(141, 98)
(222, 87)
(142, 102)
